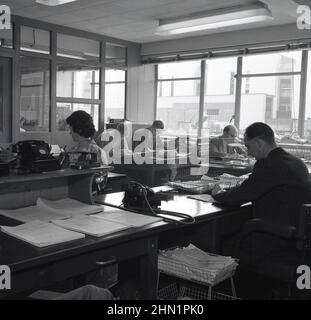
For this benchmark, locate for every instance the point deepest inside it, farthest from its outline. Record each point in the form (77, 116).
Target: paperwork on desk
(47, 210)
(91, 225)
(41, 234)
(203, 197)
(192, 263)
(130, 219)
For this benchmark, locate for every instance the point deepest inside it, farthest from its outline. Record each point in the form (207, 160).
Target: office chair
(280, 265)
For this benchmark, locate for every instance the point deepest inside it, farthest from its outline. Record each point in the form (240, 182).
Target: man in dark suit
(278, 186)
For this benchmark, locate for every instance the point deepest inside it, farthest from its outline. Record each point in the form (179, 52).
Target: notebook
(91, 225)
(128, 218)
(41, 234)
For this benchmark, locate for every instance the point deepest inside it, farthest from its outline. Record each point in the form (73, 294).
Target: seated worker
(219, 146)
(278, 187)
(82, 131)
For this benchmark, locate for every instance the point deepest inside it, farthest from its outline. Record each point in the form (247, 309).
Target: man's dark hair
(82, 123)
(158, 124)
(260, 130)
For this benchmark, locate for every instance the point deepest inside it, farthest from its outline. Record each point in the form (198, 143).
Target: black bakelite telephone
(140, 198)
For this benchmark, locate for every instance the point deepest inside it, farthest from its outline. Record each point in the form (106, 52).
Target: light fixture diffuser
(214, 19)
(54, 2)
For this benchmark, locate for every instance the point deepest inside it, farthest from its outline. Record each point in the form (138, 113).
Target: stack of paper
(194, 264)
(203, 197)
(47, 210)
(128, 218)
(91, 225)
(41, 234)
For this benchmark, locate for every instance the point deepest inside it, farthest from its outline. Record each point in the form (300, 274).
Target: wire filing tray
(168, 264)
(207, 184)
(196, 187)
(176, 291)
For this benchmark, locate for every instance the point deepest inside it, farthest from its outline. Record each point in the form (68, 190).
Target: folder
(41, 234)
(91, 225)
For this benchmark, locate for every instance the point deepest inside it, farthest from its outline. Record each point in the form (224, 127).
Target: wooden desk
(36, 268)
(214, 221)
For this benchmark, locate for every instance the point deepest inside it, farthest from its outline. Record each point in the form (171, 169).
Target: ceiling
(136, 20)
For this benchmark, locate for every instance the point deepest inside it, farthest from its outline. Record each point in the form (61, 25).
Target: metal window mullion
(77, 100)
(201, 102)
(102, 77)
(303, 88)
(238, 91)
(155, 107)
(16, 84)
(53, 106)
(277, 74)
(179, 79)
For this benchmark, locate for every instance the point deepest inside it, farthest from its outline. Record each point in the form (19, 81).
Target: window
(35, 94)
(65, 109)
(289, 61)
(115, 55)
(77, 48)
(35, 40)
(6, 38)
(114, 94)
(178, 96)
(273, 99)
(76, 81)
(307, 127)
(267, 102)
(219, 98)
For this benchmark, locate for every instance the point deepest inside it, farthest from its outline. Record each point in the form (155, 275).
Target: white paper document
(41, 234)
(47, 210)
(128, 218)
(91, 225)
(203, 197)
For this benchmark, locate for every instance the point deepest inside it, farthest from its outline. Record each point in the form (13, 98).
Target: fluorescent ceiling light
(219, 18)
(54, 2)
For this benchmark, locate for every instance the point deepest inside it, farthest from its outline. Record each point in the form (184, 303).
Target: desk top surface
(14, 178)
(179, 203)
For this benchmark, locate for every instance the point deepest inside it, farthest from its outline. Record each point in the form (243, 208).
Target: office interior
(117, 61)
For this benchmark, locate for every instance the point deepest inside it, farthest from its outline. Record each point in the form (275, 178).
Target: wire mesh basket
(196, 186)
(204, 273)
(176, 291)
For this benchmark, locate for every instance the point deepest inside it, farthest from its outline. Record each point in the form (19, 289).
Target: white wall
(140, 96)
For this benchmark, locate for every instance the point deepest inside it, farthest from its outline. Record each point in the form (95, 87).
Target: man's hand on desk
(217, 189)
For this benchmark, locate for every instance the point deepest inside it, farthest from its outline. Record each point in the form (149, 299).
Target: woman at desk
(82, 130)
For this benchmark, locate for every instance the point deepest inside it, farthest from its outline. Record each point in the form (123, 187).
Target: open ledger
(91, 225)
(41, 234)
(47, 210)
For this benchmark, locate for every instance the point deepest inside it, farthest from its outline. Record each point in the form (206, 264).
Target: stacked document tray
(195, 265)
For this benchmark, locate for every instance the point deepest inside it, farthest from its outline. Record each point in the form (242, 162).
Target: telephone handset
(32, 149)
(138, 197)
(35, 156)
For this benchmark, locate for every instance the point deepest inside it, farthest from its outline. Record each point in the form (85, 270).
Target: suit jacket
(278, 187)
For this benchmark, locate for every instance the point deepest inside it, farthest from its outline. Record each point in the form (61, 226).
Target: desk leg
(148, 270)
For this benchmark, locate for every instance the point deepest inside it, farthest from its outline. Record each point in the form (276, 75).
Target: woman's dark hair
(82, 123)
(260, 130)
